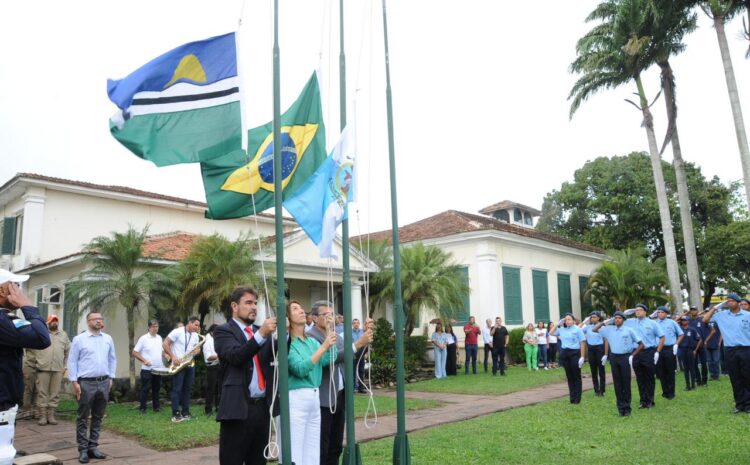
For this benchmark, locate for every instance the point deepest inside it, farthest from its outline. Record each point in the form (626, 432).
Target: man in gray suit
(332, 415)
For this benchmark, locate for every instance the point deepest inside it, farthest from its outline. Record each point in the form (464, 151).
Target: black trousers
(149, 382)
(701, 366)
(665, 371)
(332, 427)
(552, 353)
(645, 376)
(569, 361)
(487, 352)
(213, 389)
(620, 367)
(738, 366)
(598, 373)
(450, 361)
(688, 361)
(498, 360)
(241, 442)
(93, 401)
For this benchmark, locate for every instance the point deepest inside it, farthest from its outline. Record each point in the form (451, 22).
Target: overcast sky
(479, 92)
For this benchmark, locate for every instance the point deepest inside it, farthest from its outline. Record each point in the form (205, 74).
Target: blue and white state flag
(321, 204)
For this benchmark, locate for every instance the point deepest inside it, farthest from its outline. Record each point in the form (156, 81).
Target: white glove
(656, 358)
(580, 362)
(674, 350)
(630, 361)
(604, 360)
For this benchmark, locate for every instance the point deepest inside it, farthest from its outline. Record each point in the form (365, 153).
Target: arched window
(517, 215)
(527, 219)
(502, 215)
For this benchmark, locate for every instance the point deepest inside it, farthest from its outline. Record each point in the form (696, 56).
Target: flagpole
(401, 454)
(351, 452)
(282, 363)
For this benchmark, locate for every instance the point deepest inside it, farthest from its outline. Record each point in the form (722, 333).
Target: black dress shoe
(84, 457)
(96, 454)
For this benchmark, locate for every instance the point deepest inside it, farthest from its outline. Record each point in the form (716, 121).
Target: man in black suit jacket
(246, 393)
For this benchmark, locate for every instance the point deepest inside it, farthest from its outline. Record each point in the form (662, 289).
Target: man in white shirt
(180, 343)
(150, 352)
(487, 338)
(213, 389)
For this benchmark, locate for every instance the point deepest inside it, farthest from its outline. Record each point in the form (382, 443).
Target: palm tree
(116, 271)
(721, 11)
(611, 54)
(625, 279)
(380, 253)
(429, 279)
(214, 267)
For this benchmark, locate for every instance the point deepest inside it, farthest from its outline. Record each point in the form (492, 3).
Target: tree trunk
(709, 292)
(131, 345)
(661, 196)
(691, 256)
(734, 101)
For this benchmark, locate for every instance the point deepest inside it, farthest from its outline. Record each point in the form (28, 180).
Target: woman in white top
(551, 346)
(541, 337)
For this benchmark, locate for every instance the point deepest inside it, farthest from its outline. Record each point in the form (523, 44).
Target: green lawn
(516, 379)
(695, 428)
(157, 431)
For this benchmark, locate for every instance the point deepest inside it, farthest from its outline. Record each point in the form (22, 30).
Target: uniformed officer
(734, 325)
(701, 359)
(572, 355)
(665, 369)
(621, 340)
(644, 364)
(596, 346)
(688, 347)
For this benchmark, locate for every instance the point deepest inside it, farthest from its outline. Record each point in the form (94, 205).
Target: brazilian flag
(236, 181)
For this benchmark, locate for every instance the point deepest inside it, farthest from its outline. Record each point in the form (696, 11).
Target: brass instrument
(188, 360)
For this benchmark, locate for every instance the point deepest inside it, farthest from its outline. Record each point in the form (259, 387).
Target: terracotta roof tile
(453, 222)
(171, 246)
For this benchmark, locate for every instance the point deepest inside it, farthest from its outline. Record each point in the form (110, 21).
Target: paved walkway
(60, 440)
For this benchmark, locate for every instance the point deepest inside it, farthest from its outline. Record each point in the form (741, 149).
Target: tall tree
(380, 253)
(721, 11)
(116, 271)
(613, 53)
(429, 279)
(213, 268)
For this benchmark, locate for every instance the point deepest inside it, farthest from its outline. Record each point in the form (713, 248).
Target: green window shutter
(8, 246)
(541, 295)
(583, 284)
(71, 314)
(461, 315)
(563, 294)
(512, 296)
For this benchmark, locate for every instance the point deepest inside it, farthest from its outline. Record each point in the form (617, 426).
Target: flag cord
(332, 354)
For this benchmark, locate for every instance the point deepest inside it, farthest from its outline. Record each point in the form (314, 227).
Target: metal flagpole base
(401, 453)
(356, 459)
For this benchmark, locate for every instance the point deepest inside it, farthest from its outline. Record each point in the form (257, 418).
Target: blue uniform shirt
(571, 337)
(671, 331)
(621, 340)
(734, 327)
(592, 338)
(691, 339)
(700, 326)
(647, 329)
(714, 342)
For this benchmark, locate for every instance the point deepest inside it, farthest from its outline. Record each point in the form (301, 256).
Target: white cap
(6, 275)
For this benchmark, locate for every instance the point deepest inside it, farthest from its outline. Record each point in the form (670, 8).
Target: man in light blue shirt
(621, 340)
(734, 325)
(644, 364)
(91, 368)
(667, 366)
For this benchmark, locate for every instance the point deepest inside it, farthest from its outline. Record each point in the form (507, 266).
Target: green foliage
(383, 354)
(728, 264)
(515, 345)
(380, 253)
(429, 280)
(625, 279)
(415, 348)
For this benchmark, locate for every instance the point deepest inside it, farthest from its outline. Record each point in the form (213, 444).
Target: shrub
(515, 346)
(383, 356)
(415, 348)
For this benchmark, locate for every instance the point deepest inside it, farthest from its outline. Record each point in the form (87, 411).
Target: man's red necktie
(256, 362)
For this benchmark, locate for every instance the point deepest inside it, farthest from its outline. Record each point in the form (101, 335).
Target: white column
(357, 302)
(488, 284)
(33, 225)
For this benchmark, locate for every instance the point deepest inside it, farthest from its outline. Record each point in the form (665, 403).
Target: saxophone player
(180, 344)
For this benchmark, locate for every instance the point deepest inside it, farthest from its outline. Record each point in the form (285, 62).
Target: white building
(512, 270)
(47, 221)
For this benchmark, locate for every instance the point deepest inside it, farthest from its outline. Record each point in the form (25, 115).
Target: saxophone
(188, 360)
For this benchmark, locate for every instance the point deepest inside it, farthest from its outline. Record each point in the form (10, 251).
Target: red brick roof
(453, 222)
(507, 204)
(171, 246)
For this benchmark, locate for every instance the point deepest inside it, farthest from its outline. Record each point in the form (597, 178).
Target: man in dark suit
(332, 424)
(244, 350)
